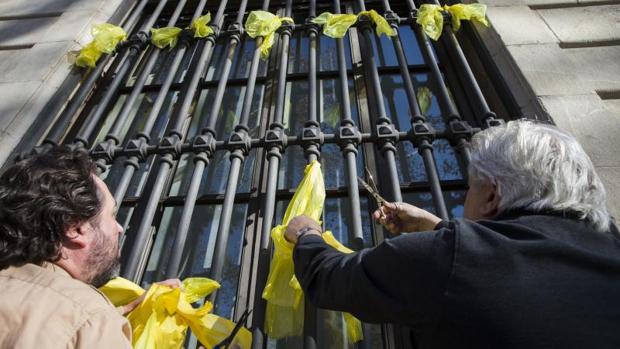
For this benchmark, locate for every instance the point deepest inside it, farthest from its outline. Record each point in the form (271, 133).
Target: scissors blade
(380, 200)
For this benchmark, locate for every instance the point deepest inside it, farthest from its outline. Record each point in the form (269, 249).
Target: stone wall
(563, 57)
(35, 37)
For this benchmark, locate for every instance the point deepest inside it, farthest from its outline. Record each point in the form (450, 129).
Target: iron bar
(134, 49)
(137, 148)
(57, 131)
(201, 159)
(171, 146)
(422, 133)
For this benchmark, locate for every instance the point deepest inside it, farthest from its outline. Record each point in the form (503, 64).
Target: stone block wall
(563, 57)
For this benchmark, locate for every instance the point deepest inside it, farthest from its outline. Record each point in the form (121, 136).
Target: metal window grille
(204, 144)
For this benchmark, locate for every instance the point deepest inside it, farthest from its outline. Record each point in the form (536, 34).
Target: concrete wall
(35, 37)
(563, 57)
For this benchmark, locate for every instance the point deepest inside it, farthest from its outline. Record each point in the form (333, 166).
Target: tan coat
(44, 307)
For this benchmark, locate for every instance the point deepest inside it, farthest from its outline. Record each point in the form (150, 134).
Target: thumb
(391, 206)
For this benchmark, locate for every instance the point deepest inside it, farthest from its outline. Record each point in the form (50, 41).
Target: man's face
(104, 257)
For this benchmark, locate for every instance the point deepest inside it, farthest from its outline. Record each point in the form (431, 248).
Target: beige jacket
(44, 307)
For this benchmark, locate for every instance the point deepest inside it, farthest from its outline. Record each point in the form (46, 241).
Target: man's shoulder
(56, 286)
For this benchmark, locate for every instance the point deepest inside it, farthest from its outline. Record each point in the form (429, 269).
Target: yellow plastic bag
(283, 293)
(165, 37)
(162, 319)
(335, 25)
(431, 19)
(263, 23)
(200, 26)
(105, 38)
(467, 12)
(381, 24)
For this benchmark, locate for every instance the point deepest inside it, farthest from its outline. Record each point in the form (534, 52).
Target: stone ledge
(517, 25)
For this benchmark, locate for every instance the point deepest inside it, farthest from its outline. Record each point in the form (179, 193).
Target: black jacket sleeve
(401, 281)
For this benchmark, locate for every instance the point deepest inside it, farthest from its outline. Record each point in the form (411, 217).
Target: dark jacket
(523, 280)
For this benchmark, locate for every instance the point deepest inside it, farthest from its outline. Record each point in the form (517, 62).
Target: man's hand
(297, 224)
(399, 217)
(127, 308)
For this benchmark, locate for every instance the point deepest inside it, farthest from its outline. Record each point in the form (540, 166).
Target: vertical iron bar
(134, 49)
(274, 154)
(58, 129)
(130, 269)
(241, 140)
(387, 146)
(202, 158)
(356, 236)
(423, 143)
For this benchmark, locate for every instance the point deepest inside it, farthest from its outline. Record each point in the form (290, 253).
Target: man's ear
(76, 237)
(491, 197)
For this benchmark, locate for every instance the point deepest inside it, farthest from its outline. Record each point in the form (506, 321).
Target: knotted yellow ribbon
(162, 319)
(169, 36)
(431, 18)
(200, 26)
(381, 24)
(105, 38)
(283, 293)
(265, 24)
(166, 36)
(337, 25)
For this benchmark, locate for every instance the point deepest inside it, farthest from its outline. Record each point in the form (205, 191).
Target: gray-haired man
(534, 263)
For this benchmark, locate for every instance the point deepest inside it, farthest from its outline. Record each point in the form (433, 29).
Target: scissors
(372, 188)
(240, 323)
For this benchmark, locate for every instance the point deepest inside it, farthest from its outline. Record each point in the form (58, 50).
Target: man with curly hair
(59, 242)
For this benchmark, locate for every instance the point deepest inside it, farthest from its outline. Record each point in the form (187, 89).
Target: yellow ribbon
(105, 38)
(381, 24)
(166, 36)
(283, 293)
(265, 24)
(200, 26)
(431, 19)
(169, 36)
(337, 25)
(162, 319)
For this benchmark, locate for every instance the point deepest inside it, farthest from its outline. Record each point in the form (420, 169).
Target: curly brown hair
(40, 198)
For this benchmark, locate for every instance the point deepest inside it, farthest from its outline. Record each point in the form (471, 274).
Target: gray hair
(539, 167)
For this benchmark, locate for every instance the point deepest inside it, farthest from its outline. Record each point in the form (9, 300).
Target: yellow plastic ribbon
(165, 37)
(335, 25)
(425, 98)
(265, 24)
(162, 319)
(430, 17)
(381, 24)
(283, 293)
(105, 38)
(200, 26)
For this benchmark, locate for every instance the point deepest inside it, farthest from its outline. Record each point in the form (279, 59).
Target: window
(188, 140)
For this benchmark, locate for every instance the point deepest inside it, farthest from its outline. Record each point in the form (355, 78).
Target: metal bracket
(275, 137)
(421, 131)
(392, 18)
(170, 145)
(311, 139)
(204, 143)
(239, 140)
(104, 150)
(458, 129)
(136, 148)
(387, 136)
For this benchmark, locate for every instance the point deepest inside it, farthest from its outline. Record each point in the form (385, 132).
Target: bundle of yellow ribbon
(283, 293)
(337, 25)
(430, 17)
(105, 38)
(169, 36)
(265, 24)
(162, 319)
